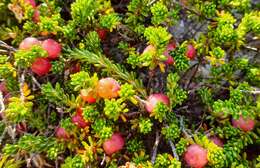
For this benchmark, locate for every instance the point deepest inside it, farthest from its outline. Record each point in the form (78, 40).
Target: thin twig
(2, 102)
(174, 150)
(155, 146)
(35, 81)
(103, 160)
(21, 81)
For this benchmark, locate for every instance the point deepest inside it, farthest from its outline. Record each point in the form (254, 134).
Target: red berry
(78, 119)
(87, 97)
(196, 156)
(170, 47)
(154, 99)
(245, 124)
(41, 66)
(61, 133)
(114, 144)
(169, 60)
(36, 16)
(31, 2)
(191, 52)
(28, 42)
(108, 88)
(52, 47)
(102, 33)
(74, 68)
(3, 88)
(217, 141)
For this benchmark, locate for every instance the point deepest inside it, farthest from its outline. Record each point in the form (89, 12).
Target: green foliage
(171, 132)
(137, 12)
(102, 129)
(90, 113)
(159, 12)
(92, 42)
(160, 111)
(224, 32)
(145, 125)
(166, 161)
(83, 11)
(134, 145)
(158, 37)
(180, 59)
(74, 162)
(240, 103)
(108, 66)
(82, 80)
(57, 67)
(35, 144)
(8, 162)
(176, 94)
(113, 108)
(181, 146)
(24, 58)
(110, 21)
(56, 95)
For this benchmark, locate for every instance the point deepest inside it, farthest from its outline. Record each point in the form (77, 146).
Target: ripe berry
(191, 52)
(36, 16)
(196, 156)
(87, 97)
(61, 133)
(217, 141)
(31, 2)
(114, 144)
(41, 66)
(52, 47)
(154, 99)
(108, 88)
(3, 88)
(78, 119)
(74, 68)
(102, 33)
(28, 42)
(170, 47)
(245, 124)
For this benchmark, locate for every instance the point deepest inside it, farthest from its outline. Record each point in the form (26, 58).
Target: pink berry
(154, 99)
(41, 66)
(31, 2)
(217, 141)
(28, 42)
(108, 88)
(114, 144)
(245, 124)
(150, 48)
(191, 52)
(170, 47)
(52, 47)
(78, 119)
(61, 133)
(196, 156)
